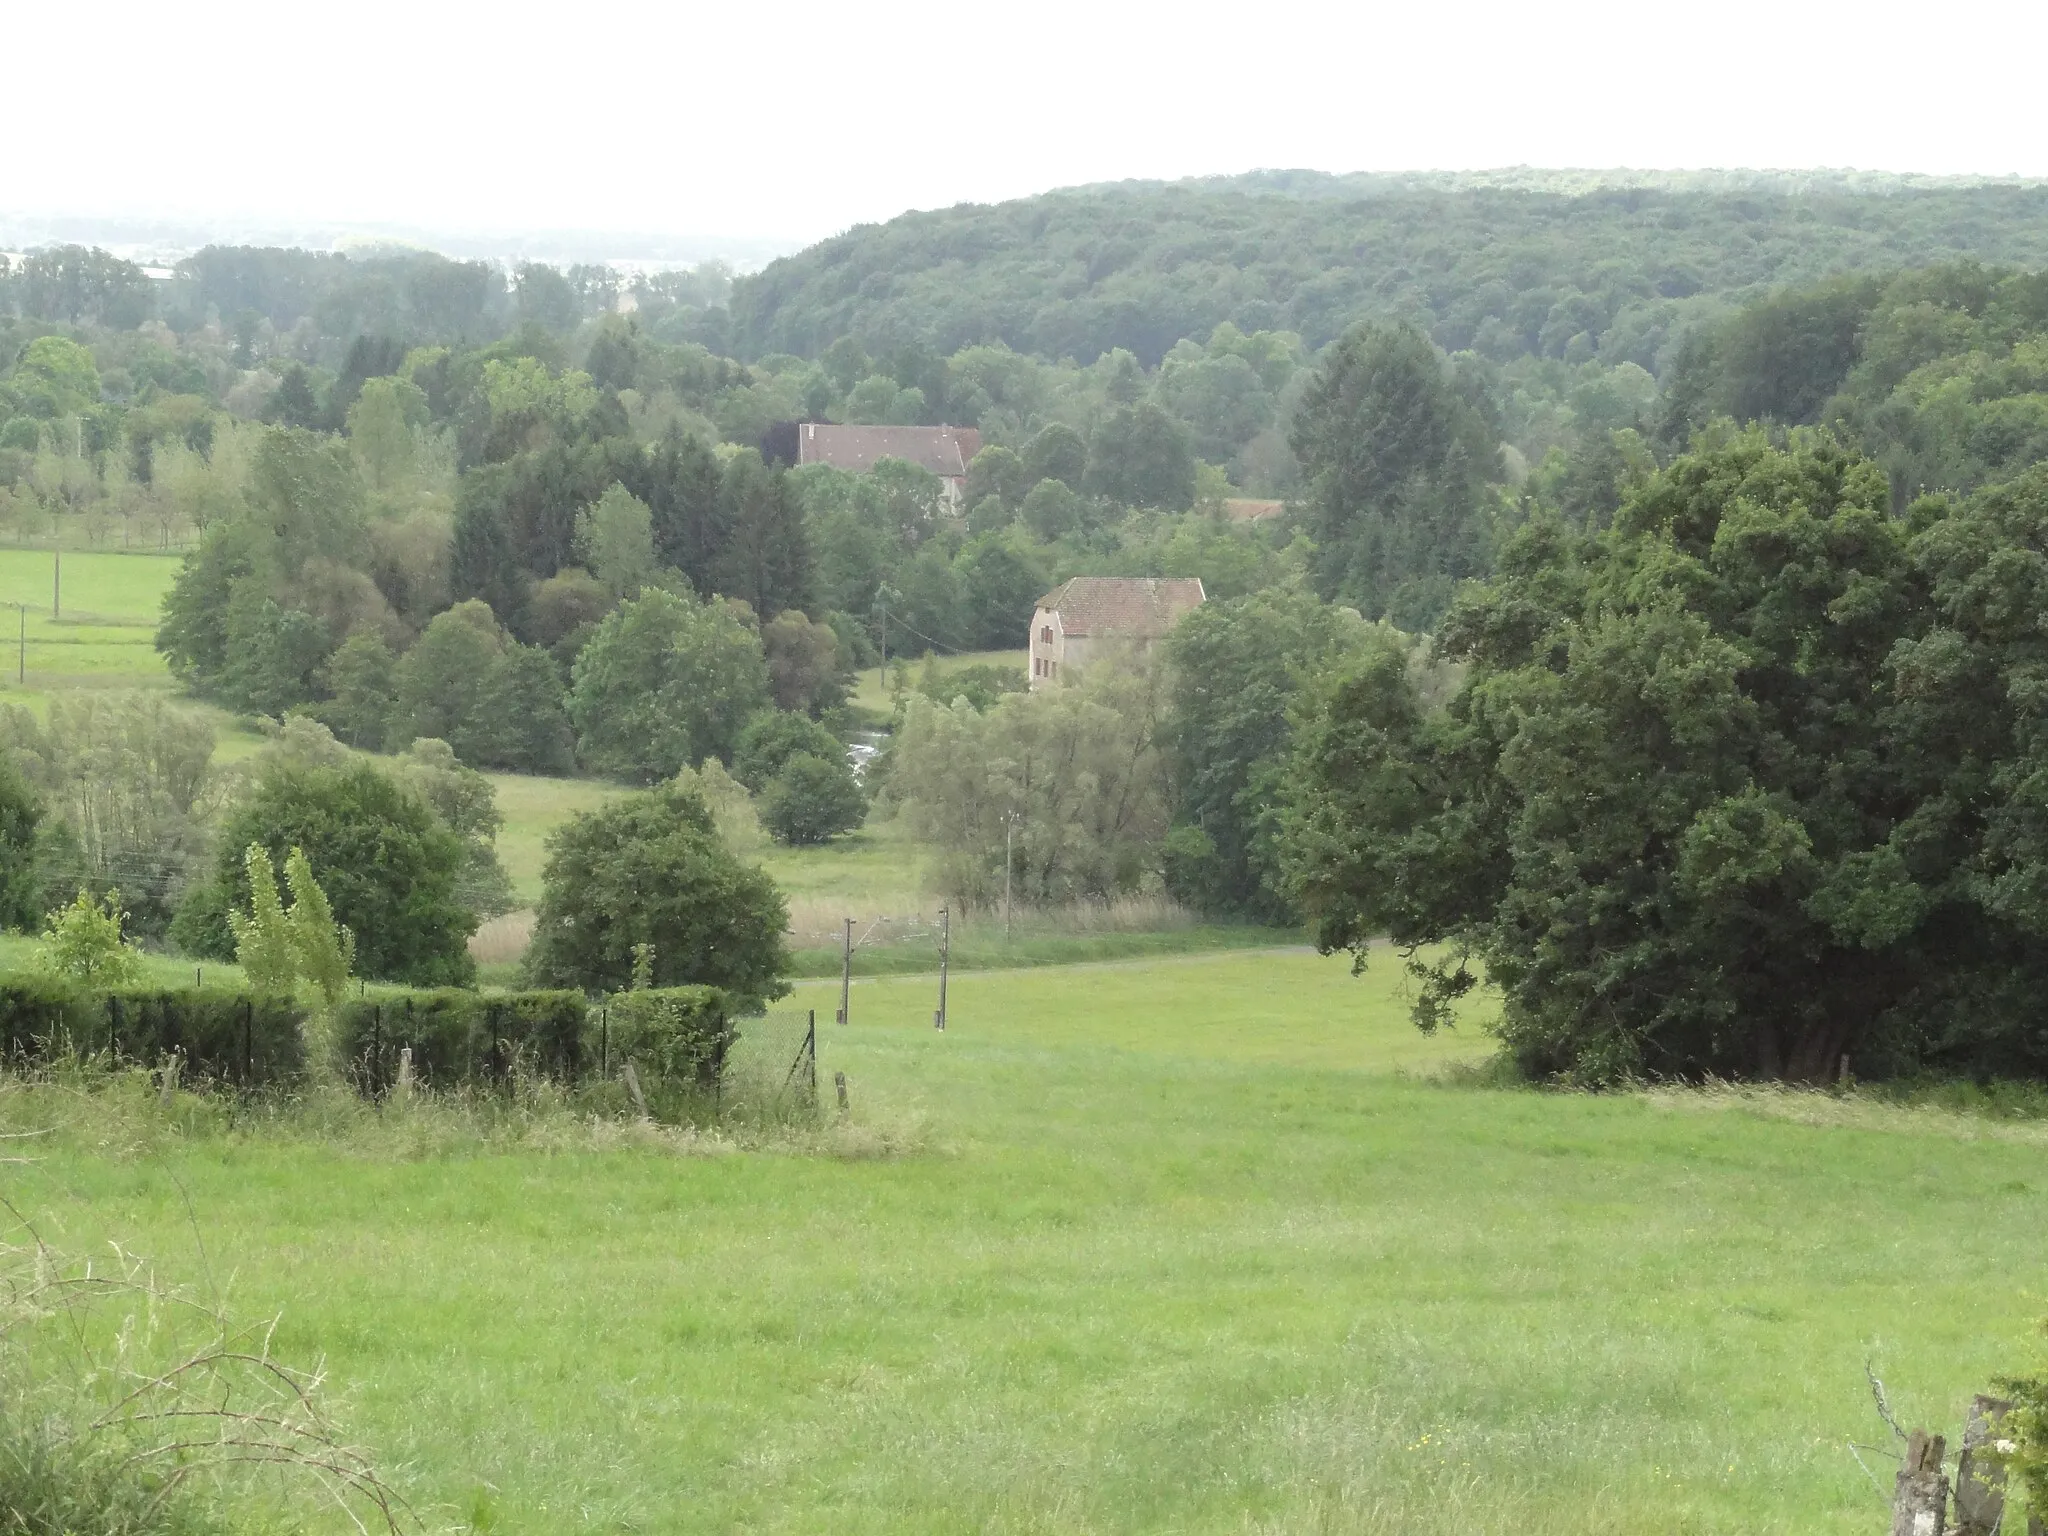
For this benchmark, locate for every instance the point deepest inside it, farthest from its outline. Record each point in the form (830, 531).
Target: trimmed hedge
(462, 1037)
(224, 1035)
(678, 1034)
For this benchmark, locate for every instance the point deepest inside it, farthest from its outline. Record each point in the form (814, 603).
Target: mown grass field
(103, 634)
(1175, 1246)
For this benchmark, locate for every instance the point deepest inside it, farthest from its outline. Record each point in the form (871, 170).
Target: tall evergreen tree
(1398, 461)
(482, 564)
(682, 491)
(766, 556)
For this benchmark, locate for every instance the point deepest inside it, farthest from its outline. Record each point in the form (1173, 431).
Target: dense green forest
(1612, 272)
(414, 488)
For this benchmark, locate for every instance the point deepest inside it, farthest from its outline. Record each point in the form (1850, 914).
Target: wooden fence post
(1980, 1489)
(1920, 1498)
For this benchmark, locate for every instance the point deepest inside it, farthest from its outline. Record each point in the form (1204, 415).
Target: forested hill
(1611, 274)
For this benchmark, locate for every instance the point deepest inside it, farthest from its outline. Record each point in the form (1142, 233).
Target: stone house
(1088, 613)
(945, 451)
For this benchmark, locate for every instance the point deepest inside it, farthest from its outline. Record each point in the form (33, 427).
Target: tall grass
(129, 1407)
(128, 1113)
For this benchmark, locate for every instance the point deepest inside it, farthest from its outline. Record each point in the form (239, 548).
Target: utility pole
(846, 977)
(882, 672)
(1009, 832)
(945, 953)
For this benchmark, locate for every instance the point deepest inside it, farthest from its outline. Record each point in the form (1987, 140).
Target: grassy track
(1182, 1252)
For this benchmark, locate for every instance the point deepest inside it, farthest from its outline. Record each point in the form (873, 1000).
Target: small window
(1045, 634)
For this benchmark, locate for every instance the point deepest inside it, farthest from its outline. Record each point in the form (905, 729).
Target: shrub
(813, 800)
(389, 867)
(650, 869)
(771, 739)
(459, 1037)
(224, 1035)
(679, 1034)
(82, 943)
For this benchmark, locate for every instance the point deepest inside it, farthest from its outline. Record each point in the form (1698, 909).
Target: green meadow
(91, 624)
(1189, 1241)
(1208, 1244)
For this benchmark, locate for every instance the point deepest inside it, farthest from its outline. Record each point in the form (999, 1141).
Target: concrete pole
(945, 954)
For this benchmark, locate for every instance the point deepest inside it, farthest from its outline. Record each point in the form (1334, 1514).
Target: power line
(928, 640)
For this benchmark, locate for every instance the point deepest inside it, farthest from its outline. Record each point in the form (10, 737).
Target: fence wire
(772, 1062)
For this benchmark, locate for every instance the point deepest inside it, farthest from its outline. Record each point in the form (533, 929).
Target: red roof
(1143, 607)
(945, 451)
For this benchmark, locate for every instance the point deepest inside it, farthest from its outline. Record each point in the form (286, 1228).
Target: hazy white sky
(794, 120)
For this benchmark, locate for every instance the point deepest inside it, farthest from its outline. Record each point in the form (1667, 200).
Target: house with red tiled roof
(945, 451)
(1081, 617)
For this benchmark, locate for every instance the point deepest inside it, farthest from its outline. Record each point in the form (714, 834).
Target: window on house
(1045, 634)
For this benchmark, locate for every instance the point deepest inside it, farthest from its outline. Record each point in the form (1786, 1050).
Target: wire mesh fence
(771, 1066)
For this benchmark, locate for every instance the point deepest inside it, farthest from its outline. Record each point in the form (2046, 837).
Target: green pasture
(533, 807)
(103, 631)
(1200, 1245)
(875, 692)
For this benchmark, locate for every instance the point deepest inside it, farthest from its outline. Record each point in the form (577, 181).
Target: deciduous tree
(649, 869)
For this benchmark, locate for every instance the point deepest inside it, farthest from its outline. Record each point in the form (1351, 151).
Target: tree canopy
(387, 864)
(1740, 785)
(650, 869)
